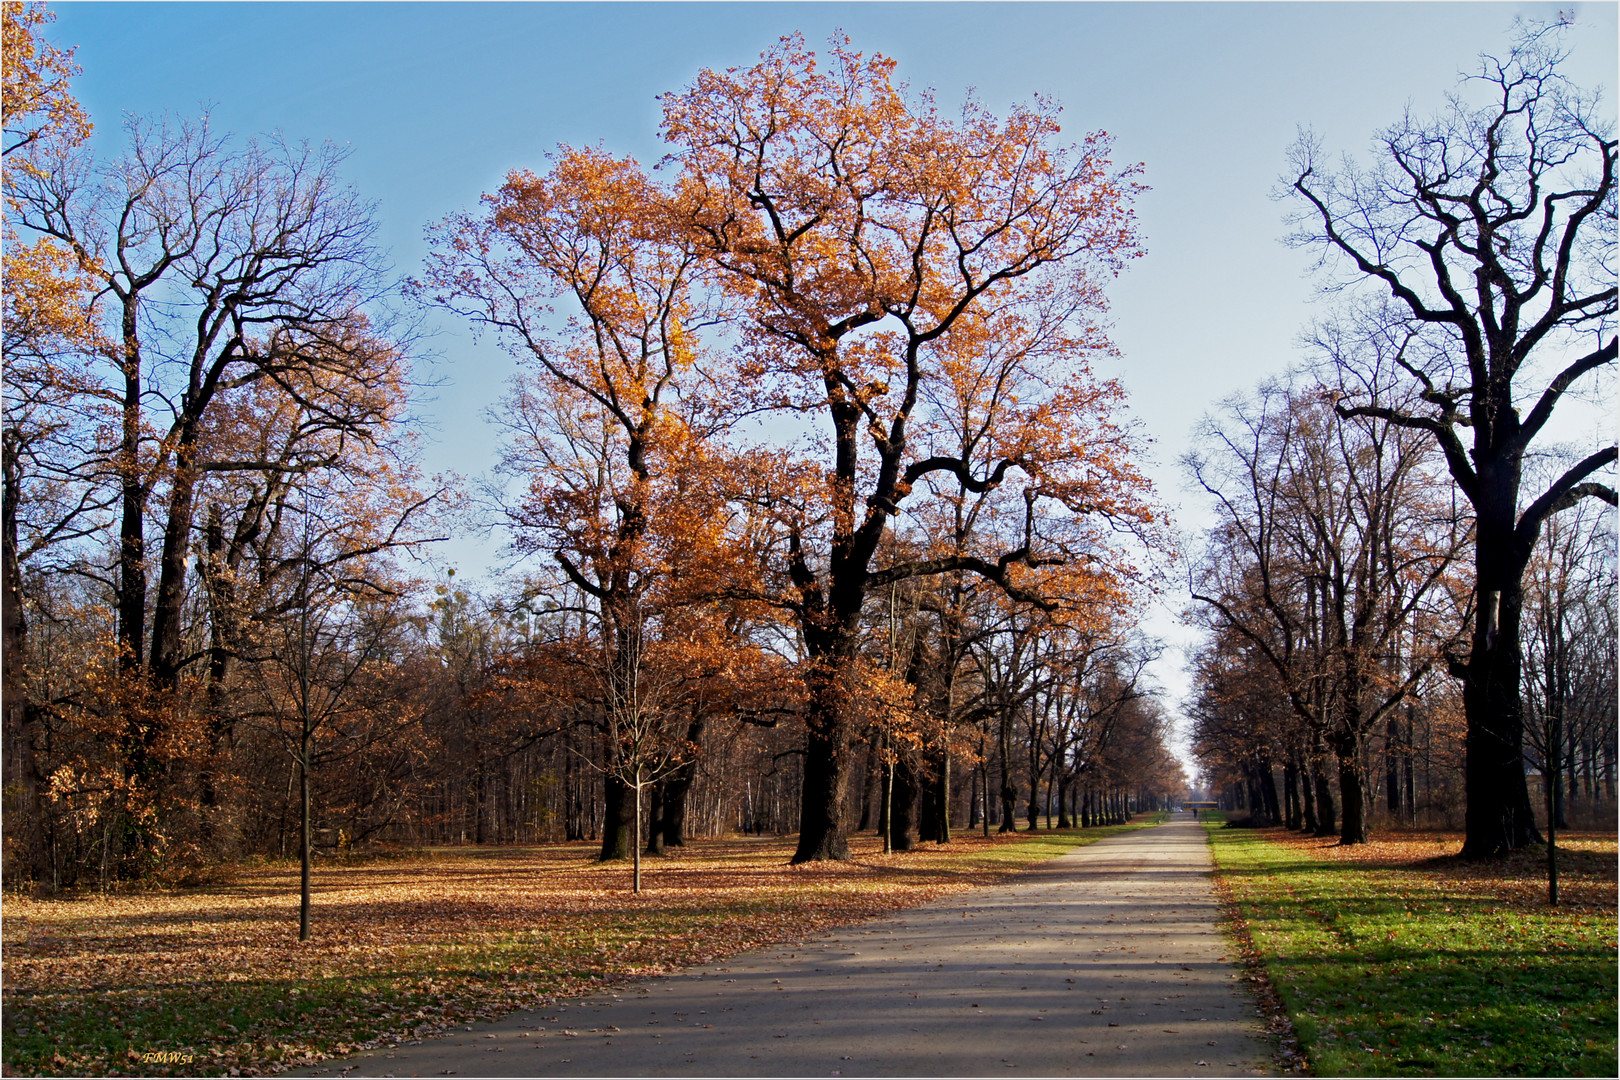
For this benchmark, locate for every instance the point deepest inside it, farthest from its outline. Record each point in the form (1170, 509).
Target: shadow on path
(1105, 961)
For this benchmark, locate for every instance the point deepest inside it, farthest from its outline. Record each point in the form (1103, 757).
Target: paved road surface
(1104, 962)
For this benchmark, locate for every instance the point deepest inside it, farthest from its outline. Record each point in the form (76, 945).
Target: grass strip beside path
(212, 980)
(1401, 960)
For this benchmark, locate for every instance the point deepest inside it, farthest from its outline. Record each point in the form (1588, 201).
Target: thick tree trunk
(168, 606)
(1352, 791)
(656, 809)
(903, 807)
(935, 825)
(677, 789)
(132, 508)
(1499, 818)
(831, 641)
(21, 768)
(823, 833)
(618, 824)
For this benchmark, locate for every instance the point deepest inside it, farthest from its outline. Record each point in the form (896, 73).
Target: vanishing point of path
(1106, 961)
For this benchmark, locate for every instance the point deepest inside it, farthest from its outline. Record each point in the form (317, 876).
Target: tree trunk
(1291, 806)
(1307, 792)
(1499, 819)
(132, 509)
(656, 808)
(904, 803)
(21, 766)
(885, 794)
(823, 830)
(635, 840)
(939, 803)
(303, 837)
(676, 790)
(1353, 793)
(1268, 791)
(872, 786)
(1326, 823)
(169, 604)
(1009, 791)
(973, 800)
(480, 800)
(1392, 767)
(1551, 775)
(573, 801)
(618, 812)
(984, 793)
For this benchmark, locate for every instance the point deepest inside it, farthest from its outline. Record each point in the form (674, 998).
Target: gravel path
(1104, 962)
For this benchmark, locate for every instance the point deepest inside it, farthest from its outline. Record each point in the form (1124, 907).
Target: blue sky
(438, 101)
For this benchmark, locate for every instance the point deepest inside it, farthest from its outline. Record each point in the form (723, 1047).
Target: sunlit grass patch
(1399, 959)
(212, 979)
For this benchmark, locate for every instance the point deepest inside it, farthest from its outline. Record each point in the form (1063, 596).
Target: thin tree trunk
(1009, 792)
(1307, 791)
(635, 846)
(303, 836)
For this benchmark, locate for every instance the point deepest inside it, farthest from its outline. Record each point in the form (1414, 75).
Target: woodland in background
(906, 601)
(1334, 590)
(1410, 588)
(826, 522)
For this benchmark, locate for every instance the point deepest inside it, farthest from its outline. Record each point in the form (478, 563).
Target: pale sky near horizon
(439, 101)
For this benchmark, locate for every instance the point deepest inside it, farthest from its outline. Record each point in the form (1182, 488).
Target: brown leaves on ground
(1586, 866)
(213, 979)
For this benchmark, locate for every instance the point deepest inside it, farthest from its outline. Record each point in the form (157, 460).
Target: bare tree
(1333, 557)
(217, 267)
(320, 672)
(1490, 231)
(1568, 581)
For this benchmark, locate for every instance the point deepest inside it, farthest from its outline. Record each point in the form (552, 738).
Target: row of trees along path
(928, 288)
(805, 437)
(1471, 262)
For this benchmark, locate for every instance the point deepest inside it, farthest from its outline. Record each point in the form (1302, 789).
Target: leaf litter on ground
(212, 979)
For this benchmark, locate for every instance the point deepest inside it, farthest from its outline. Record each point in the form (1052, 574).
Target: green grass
(1405, 971)
(209, 979)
